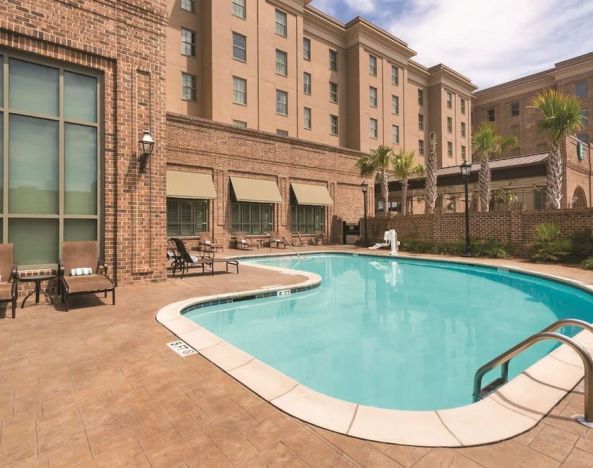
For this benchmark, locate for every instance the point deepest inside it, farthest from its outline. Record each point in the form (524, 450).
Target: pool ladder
(504, 359)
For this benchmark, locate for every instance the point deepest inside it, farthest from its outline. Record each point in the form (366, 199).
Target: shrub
(587, 264)
(581, 245)
(490, 248)
(480, 248)
(548, 246)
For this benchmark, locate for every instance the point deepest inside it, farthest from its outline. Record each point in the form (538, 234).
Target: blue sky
(488, 41)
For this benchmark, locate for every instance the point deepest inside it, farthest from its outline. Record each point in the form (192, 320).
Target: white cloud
(494, 41)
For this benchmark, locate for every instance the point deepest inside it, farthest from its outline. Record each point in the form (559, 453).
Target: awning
(307, 194)
(190, 185)
(256, 190)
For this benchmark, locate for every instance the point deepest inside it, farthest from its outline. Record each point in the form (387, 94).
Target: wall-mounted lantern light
(146, 149)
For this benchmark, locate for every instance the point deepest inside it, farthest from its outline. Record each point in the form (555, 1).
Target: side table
(37, 279)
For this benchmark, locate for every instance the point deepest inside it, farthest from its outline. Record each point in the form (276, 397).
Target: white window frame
(373, 97)
(185, 44)
(281, 19)
(239, 48)
(333, 93)
(334, 125)
(239, 95)
(373, 128)
(394, 75)
(281, 62)
(281, 102)
(307, 118)
(307, 83)
(372, 65)
(187, 5)
(239, 8)
(394, 104)
(191, 87)
(395, 134)
(306, 49)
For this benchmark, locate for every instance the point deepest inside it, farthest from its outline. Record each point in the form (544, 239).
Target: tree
(377, 164)
(405, 167)
(430, 183)
(561, 117)
(486, 143)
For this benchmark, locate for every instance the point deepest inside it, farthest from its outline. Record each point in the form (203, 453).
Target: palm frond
(404, 165)
(560, 114)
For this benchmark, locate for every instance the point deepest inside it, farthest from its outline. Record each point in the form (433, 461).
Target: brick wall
(198, 145)
(125, 43)
(515, 227)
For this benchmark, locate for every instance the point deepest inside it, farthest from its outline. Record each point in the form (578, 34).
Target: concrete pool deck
(97, 386)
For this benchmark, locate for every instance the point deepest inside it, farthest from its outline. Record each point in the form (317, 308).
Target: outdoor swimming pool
(394, 333)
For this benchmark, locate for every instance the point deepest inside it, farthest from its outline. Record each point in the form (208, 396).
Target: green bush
(587, 264)
(548, 245)
(581, 245)
(480, 248)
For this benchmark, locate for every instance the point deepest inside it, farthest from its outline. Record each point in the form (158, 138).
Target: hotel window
(333, 60)
(239, 47)
(515, 109)
(449, 100)
(373, 128)
(239, 9)
(395, 105)
(421, 147)
(420, 97)
(50, 140)
(491, 115)
(187, 5)
(307, 49)
(240, 123)
(186, 216)
(584, 117)
(281, 62)
(188, 42)
(282, 133)
(463, 106)
(449, 125)
(239, 91)
(307, 83)
(307, 219)
(463, 130)
(449, 149)
(581, 89)
(333, 92)
(333, 125)
(394, 75)
(252, 218)
(372, 65)
(420, 122)
(372, 96)
(281, 23)
(395, 134)
(307, 117)
(463, 153)
(281, 102)
(188, 84)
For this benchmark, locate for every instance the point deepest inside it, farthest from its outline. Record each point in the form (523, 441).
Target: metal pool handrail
(291, 246)
(546, 334)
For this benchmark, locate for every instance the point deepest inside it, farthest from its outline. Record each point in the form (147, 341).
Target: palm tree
(486, 143)
(405, 167)
(561, 116)
(377, 164)
(430, 183)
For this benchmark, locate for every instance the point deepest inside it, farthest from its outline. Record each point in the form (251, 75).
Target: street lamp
(146, 148)
(365, 189)
(465, 173)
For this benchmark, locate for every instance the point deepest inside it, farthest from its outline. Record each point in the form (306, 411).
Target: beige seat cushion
(88, 283)
(5, 291)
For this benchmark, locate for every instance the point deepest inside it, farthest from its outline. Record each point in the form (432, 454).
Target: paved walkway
(97, 386)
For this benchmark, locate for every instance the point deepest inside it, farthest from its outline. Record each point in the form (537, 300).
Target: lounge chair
(187, 261)
(277, 239)
(319, 238)
(242, 242)
(226, 261)
(206, 243)
(81, 271)
(8, 277)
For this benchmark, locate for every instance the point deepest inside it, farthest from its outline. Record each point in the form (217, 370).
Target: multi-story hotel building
(284, 67)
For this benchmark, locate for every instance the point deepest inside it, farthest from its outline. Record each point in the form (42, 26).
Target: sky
(488, 41)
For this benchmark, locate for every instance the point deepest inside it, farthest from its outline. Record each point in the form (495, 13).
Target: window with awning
(252, 205)
(255, 190)
(307, 207)
(308, 194)
(190, 185)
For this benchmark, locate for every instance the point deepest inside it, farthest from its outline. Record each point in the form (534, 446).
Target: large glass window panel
(80, 169)
(33, 178)
(80, 97)
(1, 158)
(33, 88)
(35, 241)
(1, 81)
(80, 229)
(186, 218)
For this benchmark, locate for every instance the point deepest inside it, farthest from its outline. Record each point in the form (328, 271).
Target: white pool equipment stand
(390, 238)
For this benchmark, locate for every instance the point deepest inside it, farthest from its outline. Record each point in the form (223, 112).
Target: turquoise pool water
(395, 333)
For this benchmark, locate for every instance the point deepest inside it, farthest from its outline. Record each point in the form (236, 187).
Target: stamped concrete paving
(96, 386)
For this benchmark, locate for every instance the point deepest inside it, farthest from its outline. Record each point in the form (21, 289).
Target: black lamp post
(365, 189)
(146, 148)
(465, 173)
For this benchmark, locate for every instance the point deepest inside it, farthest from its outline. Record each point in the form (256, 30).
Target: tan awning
(190, 185)
(256, 190)
(307, 194)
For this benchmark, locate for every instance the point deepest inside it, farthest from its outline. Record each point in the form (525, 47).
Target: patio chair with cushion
(206, 242)
(242, 242)
(277, 240)
(82, 271)
(211, 257)
(187, 261)
(8, 277)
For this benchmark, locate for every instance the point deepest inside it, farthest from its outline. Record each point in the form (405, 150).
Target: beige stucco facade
(354, 43)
